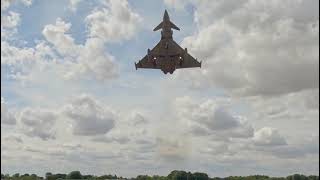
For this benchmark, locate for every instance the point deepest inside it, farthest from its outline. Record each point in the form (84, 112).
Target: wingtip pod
(135, 64)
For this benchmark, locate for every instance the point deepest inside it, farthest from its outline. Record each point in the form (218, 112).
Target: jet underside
(167, 55)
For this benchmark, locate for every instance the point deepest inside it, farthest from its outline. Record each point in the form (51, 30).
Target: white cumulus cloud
(116, 23)
(210, 118)
(56, 34)
(82, 61)
(10, 21)
(268, 137)
(38, 123)
(89, 117)
(6, 116)
(74, 4)
(256, 48)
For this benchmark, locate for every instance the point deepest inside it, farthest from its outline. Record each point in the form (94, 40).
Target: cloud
(38, 123)
(116, 23)
(56, 34)
(221, 120)
(6, 116)
(87, 61)
(89, 117)
(13, 138)
(110, 139)
(209, 118)
(27, 2)
(221, 149)
(256, 48)
(137, 118)
(23, 63)
(74, 4)
(177, 4)
(309, 146)
(5, 4)
(172, 150)
(311, 99)
(94, 61)
(10, 21)
(11, 55)
(268, 137)
(72, 146)
(299, 109)
(66, 58)
(129, 126)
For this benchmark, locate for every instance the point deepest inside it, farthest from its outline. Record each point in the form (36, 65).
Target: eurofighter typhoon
(167, 55)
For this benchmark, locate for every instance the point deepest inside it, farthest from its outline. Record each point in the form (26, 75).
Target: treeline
(51, 176)
(174, 175)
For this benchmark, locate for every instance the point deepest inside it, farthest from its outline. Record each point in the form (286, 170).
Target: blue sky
(69, 88)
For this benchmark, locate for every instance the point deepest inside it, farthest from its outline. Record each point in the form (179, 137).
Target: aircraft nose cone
(166, 15)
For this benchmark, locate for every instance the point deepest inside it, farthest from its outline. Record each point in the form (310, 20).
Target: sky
(71, 98)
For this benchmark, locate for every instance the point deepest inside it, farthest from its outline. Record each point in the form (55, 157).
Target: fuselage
(166, 32)
(167, 63)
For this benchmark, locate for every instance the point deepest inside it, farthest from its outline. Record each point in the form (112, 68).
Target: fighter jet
(167, 55)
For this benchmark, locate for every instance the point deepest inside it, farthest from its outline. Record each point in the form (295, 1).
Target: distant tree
(57, 176)
(174, 175)
(156, 177)
(235, 178)
(216, 178)
(143, 177)
(313, 177)
(178, 175)
(28, 177)
(74, 175)
(7, 176)
(87, 176)
(51, 177)
(257, 177)
(106, 177)
(48, 174)
(297, 177)
(200, 176)
(277, 178)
